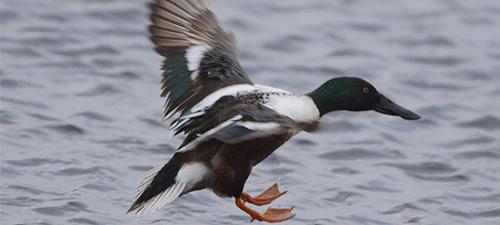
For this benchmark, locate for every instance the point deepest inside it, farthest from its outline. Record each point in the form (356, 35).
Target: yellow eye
(366, 90)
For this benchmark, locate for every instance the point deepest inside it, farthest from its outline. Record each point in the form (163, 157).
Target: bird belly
(234, 162)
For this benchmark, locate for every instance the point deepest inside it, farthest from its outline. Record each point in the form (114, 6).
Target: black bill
(386, 106)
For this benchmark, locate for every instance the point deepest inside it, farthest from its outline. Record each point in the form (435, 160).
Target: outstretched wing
(200, 57)
(234, 120)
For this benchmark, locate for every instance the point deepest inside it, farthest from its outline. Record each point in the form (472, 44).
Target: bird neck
(333, 95)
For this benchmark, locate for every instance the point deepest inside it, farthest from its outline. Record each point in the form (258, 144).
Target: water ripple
(358, 153)
(433, 41)
(435, 61)
(423, 168)
(95, 116)
(493, 154)
(35, 162)
(485, 123)
(67, 129)
(69, 207)
(100, 90)
(400, 208)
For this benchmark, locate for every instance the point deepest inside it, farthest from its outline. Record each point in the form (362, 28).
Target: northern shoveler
(231, 123)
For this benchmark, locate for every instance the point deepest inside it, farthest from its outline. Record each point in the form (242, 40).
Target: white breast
(300, 108)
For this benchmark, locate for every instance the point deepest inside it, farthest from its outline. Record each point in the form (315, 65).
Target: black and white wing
(234, 120)
(200, 57)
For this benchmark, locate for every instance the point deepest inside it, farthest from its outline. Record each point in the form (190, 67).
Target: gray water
(80, 112)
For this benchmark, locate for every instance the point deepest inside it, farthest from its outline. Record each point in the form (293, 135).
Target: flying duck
(230, 123)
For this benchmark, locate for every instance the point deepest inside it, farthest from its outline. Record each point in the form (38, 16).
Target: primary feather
(199, 56)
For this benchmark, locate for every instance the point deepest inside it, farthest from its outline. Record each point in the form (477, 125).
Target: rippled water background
(80, 112)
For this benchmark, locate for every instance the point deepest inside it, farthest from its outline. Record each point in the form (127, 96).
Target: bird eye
(366, 90)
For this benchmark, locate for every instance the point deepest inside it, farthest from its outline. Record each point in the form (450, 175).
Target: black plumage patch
(163, 180)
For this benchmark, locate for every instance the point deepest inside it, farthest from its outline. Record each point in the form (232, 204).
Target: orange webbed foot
(274, 215)
(266, 197)
(271, 215)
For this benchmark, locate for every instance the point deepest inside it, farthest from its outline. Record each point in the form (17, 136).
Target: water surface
(80, 112)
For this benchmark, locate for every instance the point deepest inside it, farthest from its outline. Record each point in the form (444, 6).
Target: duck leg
(271, 215)
(264, 198)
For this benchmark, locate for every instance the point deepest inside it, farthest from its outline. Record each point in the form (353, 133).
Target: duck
(229, 123)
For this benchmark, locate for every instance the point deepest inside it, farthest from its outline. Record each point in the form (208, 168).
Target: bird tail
(159, 187)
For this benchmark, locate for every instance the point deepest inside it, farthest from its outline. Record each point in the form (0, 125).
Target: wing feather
(179, 26)
(233, 119)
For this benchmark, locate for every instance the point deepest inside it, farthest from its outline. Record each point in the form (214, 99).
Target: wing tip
(195, 19)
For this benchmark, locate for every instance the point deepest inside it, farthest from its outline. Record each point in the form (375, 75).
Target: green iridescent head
(355, 94)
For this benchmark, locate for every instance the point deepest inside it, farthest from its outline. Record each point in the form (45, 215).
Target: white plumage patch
(194, 75)
(191, 173)
(194, 54)
(232, 90)
(264, 88)
(300, 108)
